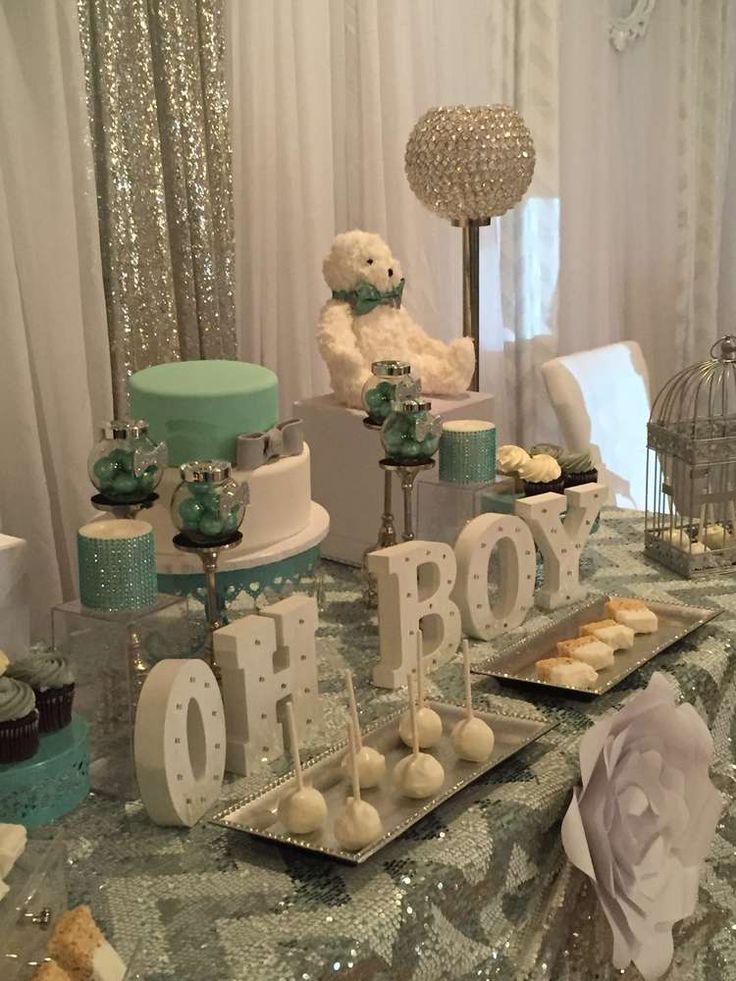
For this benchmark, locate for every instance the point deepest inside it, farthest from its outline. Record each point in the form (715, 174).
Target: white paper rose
(643, 821)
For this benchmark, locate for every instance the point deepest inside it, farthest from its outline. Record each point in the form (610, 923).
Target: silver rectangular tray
(257, 815)
(515, 665)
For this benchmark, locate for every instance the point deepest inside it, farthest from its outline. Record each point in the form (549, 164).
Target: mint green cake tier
(199, 408)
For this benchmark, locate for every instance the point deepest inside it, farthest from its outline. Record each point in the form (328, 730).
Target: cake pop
(358, 823)
(419, 774)
(302, 810)
(371, 763)
(472, 739)
(429, 724)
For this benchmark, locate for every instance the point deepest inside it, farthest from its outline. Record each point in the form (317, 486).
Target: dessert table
(480, 888)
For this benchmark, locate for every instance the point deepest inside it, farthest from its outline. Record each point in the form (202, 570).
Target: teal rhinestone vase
(117, 565)
(468, 451)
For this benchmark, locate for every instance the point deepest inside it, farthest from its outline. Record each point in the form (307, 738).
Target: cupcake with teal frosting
(18, 721)
(52, 681)
(577, 468)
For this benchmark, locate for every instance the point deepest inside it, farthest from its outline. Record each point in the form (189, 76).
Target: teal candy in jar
(208, 506)
(125, 465)
(411, 433)
(389, 381)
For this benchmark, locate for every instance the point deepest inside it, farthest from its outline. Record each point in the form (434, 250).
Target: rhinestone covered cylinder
(468, 452)
(470, 163)
(117, 565)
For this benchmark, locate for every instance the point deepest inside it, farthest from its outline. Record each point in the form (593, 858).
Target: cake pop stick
(472, 739)
(428, 722)
(294, 745)
(419, 774)
(371, 763)
(413, 720)
(358, 823)
(303, 810)
(468, 686)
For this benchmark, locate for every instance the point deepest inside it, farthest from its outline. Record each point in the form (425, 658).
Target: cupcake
(577, 469)
(18, 721)
(510, 458)
(551, 449)
(52, 681)
(541, 474)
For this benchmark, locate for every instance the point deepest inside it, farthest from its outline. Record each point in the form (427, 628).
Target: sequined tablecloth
(478, 889)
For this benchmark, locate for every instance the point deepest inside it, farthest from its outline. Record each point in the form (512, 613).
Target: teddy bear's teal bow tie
(366, 296)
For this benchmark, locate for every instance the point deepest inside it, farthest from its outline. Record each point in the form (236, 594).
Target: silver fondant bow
(285, 439)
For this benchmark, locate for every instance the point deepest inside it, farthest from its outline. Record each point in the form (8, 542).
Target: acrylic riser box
(346, 478)
(37, 897)
(111, 655)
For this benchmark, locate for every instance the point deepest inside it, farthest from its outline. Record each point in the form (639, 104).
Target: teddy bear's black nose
(390, 272)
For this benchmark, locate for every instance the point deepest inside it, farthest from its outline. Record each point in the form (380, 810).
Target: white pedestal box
(14, 597)
(346, 478)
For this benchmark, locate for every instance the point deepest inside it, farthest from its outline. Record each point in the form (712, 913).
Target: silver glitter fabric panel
(159, 118)
(478, 889)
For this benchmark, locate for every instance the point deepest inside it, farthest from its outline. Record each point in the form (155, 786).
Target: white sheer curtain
(324, 96)
(55, 368)
(618, 236)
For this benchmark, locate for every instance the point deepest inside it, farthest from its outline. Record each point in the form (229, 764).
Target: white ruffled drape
(619, 236)
(55, 366)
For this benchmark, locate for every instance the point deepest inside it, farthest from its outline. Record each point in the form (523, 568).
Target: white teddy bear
(365, 322)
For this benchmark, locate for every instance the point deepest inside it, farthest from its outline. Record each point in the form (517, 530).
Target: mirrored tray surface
(257, 815)
(516, 664)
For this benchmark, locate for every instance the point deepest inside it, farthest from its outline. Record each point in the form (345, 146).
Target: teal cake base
(239, 589)
(52, 783)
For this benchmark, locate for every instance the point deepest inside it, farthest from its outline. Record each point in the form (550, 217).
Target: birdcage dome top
(700, 401)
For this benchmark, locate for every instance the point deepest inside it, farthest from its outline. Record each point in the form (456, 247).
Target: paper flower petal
(642, 823)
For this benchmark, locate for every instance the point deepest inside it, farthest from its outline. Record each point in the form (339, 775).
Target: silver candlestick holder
(408, 473)
(386, 531)
(210, 557)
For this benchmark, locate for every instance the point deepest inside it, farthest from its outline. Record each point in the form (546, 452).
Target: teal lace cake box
(241, 590)
(50, 784)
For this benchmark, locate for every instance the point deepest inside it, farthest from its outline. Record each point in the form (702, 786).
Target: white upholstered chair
(601, 399)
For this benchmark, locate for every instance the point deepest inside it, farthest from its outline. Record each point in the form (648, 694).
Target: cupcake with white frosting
(541, 474)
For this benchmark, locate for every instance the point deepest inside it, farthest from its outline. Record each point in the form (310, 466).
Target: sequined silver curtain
(158, 106)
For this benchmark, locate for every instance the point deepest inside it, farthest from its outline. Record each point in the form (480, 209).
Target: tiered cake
(199, 409)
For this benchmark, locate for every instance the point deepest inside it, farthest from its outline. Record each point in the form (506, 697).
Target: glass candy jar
(389, 381)
(411, 433)
(208, 506)
(125, 465)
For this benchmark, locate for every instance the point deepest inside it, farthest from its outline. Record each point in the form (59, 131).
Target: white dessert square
(588, 649)
(566, 671)
(618, 636)
(640, 621)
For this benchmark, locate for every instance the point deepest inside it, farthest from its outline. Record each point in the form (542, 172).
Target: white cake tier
(184, 563)
(279, 508)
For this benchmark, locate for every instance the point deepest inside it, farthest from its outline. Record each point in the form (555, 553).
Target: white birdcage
(691, 467)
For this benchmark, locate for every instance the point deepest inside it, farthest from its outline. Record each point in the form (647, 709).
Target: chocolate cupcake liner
(54, 707)
(576, 479)
(531, 489)
(19, 738)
